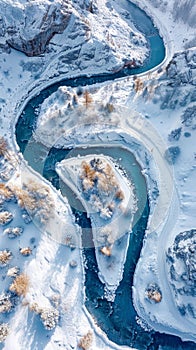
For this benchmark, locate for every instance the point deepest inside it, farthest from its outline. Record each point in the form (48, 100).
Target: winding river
(117, 319)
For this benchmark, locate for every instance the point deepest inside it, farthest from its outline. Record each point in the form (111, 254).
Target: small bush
(20, 285)
(172, 154)
(5, 303)
(175, 135)
(5, 191)
(6, 153)
(13, 271)
(26, 251)
(49, 318)
(87, 98)
(36, 199)
(5, 256)
(106, 251)
(119, 195)
(189, 117)
(153, 293)
(3, 146)
(5, 217)
(4, 330)
(138, 85)
(86, 341)
(187, 134)
(110, 107)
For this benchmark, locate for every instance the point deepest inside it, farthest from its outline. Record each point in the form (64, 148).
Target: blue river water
(117, 319)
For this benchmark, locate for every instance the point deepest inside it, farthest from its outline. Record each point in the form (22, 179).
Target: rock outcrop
(75, 34)
(153, 293)
(181, 259)
(176, 86)
(29, 26)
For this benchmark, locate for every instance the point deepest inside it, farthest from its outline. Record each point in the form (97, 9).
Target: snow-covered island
(109, 202)
(149, 117)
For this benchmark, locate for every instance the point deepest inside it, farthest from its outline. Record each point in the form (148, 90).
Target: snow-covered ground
(96, 39)
(178, 16)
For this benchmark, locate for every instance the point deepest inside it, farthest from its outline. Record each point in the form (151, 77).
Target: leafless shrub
(11, 160)
(5, 303)
(119, 195)
(3, 146)
(5, 191)
(109, 107)
(98, 181)
(5, 256)
(138, 84)
(34, 307)
(4, 330)
(25, 251)
(86, 341)
(101, 172)
(87, 98)
(107, 251)
(25, 200)
(88, 172)
(13, 271)
(49, 318)
(5, 151)
(36, 199)
(5, 217)
(20, 285)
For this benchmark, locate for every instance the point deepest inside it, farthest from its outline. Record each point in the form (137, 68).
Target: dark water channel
(118, 318)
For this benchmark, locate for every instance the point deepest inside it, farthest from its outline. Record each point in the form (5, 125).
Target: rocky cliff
(181, 258)
(28, 26)
(75, 33)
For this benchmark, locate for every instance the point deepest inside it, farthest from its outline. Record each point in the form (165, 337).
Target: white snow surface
(48, 266)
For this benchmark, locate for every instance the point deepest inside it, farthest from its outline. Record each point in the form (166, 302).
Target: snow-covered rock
(181, 259)
(13, 232)
(179, 18)
(29, 26)
(84, 33)
(176, 87)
